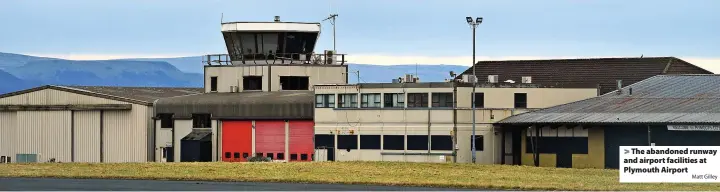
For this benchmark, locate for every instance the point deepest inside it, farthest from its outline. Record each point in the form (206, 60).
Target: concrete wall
(499, 104)
(232, 75)
(126, 136)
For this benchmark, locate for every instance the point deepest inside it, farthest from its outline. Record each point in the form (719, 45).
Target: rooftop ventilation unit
(469, 78)
(329, 57)
(277, 18)
(234, 89)
(493, 78)
(409, 78)
(526, 79)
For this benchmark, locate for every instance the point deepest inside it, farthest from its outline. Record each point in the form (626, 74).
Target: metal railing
(278, 58)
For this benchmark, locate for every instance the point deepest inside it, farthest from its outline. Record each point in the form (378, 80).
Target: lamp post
(473, 24)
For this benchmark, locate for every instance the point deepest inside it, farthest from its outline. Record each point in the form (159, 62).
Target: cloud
(709, 63)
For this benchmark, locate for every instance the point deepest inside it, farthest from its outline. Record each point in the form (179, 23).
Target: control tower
(272, 56)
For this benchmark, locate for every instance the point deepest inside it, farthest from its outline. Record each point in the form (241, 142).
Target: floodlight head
(479, 20)
(469, 19)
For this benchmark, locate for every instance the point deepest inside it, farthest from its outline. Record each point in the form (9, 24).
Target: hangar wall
(61, 134)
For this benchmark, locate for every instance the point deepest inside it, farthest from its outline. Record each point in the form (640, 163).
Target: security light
(469, 19)
(479, 20)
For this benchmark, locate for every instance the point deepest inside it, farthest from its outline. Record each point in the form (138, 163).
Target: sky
(372, 31)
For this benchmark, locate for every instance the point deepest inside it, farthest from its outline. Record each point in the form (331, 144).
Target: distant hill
(385, 73)
(9, 60)
(368, 72)
(10, 83)
(23, 71)
(106, 73)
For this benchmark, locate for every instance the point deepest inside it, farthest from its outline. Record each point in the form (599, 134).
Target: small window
(252, 83)
(478, 142)
(295, 83)
(293, 157)
(166, 120)
(246, 155)
(271, 155)
(479, 100)
(201, 120)
(417, 142)
(370, 100)
(348, 100)
(394, 100)
(258, 155)
(324, 141)
(417, 100)
(325, 101)
(227, 155)
(393, 142)
(369, 141)
(303, 157)
(281, 156)
(441, 142)
(213, 84)
(442, 100)
(236, 155)
(347, 141)
(521, 100)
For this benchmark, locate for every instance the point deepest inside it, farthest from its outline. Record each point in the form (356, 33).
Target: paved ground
(46, 184)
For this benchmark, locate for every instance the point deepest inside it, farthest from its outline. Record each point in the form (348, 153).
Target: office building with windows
(413, 121)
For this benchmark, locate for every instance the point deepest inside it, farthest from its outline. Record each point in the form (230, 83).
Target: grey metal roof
(198, 135)
(659, 99)
(147, 94)
(242, 105)
(136, 95)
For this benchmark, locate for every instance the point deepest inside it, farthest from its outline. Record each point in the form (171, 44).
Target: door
(270, 140)
(236, 140)
(301, 139)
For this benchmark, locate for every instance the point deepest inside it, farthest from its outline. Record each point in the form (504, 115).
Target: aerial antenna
(221, 17)
(332, 21)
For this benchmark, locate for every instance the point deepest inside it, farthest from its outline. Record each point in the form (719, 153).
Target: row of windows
(393, 142)
(254, 83)
(397, 100)
(280, 156)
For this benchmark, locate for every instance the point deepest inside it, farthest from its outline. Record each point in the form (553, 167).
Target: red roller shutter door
(301, 140)
(270, 138)
(236, 140)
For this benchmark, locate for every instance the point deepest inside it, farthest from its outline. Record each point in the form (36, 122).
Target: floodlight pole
(473, 23)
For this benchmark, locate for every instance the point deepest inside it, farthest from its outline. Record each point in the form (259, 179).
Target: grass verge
(377, 173)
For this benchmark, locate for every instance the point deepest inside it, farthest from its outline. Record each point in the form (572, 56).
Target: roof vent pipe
(619, 86)
(630, 91)
(277, 18)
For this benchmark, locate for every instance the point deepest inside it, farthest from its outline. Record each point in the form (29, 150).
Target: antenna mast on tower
(332, 21)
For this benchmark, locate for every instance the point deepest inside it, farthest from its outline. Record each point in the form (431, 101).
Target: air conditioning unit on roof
(526, 79)
(493, 78)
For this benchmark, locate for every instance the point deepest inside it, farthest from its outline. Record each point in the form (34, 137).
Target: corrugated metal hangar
(80, 123)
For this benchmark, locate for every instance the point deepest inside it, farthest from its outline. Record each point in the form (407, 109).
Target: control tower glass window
(269, 45)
